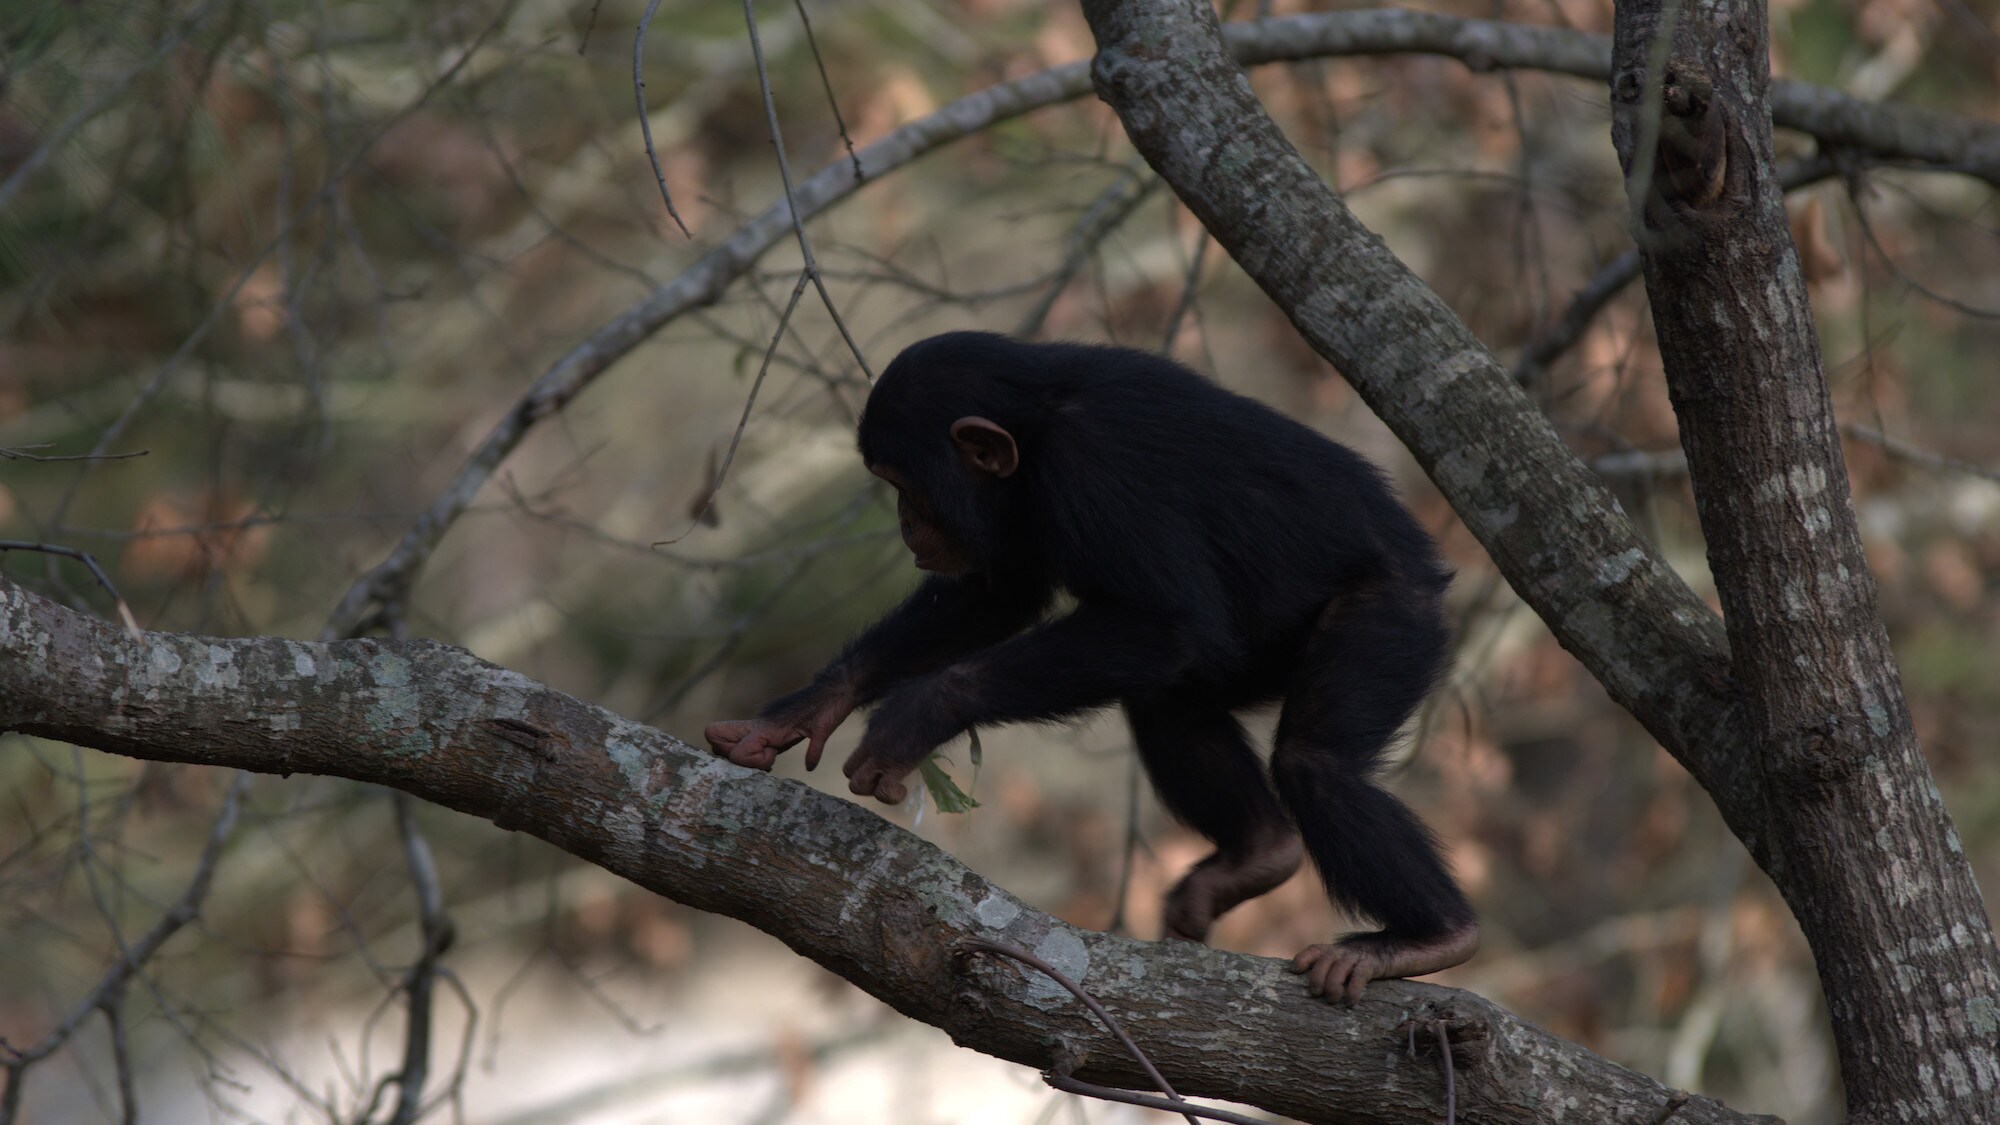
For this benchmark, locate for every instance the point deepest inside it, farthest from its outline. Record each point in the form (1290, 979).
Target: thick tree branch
(1884, 132)
(837, 883)
(1839, 120)
(1866, 854)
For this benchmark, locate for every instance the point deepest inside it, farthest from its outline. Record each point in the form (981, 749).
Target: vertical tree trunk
(1859, 839)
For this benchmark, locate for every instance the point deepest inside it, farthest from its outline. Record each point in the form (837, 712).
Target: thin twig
(124, 610)
(645, 118)
(20, 453)
(113, 1008)
(832, 102)
(1070, 1084)
(986, 945)
(421, 983)
(1189, 287)
(1450, 1079)
(1652, 108)
(742, 422)
(1583, 308)
(1917, 455)
(1882, 252)
(1106, 213)
(791, 197)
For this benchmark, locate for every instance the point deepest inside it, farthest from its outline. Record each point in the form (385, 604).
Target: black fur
(1221, 554)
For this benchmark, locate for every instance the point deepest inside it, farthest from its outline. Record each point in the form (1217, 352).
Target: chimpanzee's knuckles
(724, 734)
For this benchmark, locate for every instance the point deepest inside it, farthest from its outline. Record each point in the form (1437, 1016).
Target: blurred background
(298, 258)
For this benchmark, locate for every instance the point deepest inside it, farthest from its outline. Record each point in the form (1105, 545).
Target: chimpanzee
(1221, 556)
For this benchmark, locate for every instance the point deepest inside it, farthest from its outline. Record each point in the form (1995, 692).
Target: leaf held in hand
(945, 793)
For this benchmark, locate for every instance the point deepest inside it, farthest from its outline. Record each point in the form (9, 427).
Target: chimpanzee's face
(934, 548)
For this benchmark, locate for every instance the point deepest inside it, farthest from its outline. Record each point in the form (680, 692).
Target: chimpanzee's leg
(1375, 655)
(1207, 775)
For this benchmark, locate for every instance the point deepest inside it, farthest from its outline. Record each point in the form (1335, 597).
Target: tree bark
(1865, 852)
(834, 881)
(1801, 738)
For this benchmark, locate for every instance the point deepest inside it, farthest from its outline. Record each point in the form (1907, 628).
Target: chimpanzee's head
(940, 426)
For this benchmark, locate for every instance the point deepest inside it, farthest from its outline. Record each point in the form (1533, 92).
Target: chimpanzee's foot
(1340, 969)
(1225, 879)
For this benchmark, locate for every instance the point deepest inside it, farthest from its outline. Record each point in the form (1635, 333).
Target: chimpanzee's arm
(945, 618)
(1091, 657)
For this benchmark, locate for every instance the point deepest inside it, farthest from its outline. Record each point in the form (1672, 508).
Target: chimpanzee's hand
(877, 771)
(909, 722)
(758, 742)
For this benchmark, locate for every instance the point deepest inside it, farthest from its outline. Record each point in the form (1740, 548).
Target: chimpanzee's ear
(985, 447)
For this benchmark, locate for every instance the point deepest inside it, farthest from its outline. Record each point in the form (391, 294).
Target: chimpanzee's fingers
(1357, 980)
(891, 790)
(814, 749)
(753, 754)
(861, 776)
(725, 733)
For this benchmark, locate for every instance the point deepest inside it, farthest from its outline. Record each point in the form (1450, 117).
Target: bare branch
(791, 197)
(645, 116)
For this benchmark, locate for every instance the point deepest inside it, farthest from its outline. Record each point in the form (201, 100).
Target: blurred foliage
(303, 255)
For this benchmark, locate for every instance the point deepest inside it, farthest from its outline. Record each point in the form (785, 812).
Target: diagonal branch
(857, 894)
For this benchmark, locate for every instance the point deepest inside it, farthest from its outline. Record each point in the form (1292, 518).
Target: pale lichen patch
(1878, 719)
(996, 910)
(163, 661)
(1063, 950)
(1617, 568)
(1983, 1014)
(219, 670)
(389, 669)
(632, 761)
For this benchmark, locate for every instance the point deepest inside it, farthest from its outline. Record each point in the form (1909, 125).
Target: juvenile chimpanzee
(1221, 556)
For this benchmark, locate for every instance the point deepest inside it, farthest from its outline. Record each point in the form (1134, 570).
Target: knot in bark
(1816, 757)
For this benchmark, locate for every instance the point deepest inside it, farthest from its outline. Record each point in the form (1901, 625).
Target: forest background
(270, 273)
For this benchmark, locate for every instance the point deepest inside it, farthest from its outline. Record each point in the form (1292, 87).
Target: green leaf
(945, 793)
